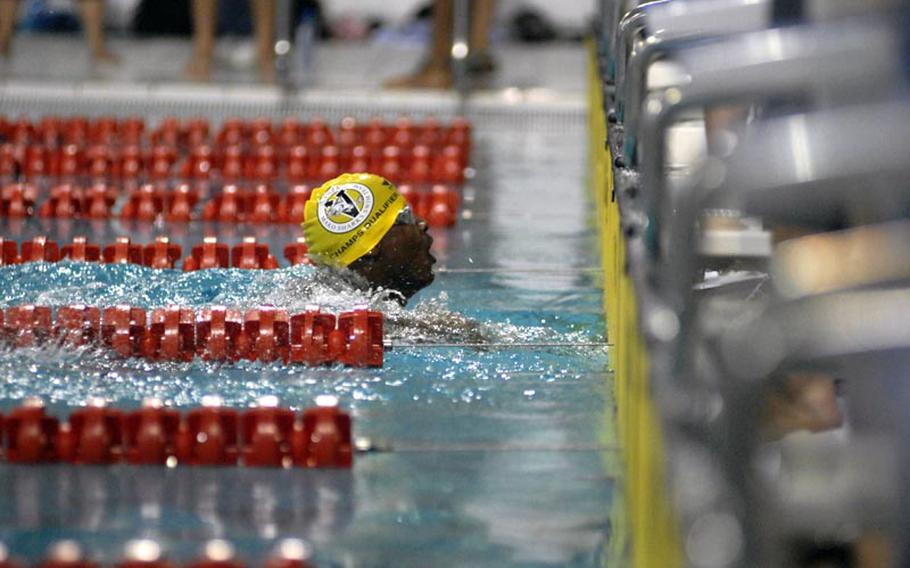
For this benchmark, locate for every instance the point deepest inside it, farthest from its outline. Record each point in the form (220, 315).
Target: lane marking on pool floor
(533, 345)
(366, 445)
(520, 270)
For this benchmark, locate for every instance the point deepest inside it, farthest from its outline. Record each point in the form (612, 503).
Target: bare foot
(425, 78)
(199, 68)
(481, 63)
(268, 74)
(106, 57)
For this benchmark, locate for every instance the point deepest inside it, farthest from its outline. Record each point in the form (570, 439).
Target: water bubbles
(462, 375)
(467, 395)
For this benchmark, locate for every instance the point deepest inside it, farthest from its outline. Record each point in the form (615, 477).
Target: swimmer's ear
(372, 255)
(366, 260)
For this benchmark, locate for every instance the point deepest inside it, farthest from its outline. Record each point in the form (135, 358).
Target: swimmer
(361, 222)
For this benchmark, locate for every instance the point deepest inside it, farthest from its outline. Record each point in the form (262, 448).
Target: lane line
(363, 445)
(390, 345)
(530, 269)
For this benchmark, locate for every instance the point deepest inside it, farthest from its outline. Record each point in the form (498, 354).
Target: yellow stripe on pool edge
(654, 532)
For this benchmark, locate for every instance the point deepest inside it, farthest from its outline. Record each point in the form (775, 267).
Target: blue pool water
(489, 456)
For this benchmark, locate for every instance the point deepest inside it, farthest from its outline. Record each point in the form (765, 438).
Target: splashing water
(67, 376)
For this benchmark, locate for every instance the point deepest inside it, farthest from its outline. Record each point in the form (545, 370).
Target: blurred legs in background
(264, 23)
(9, 9)
(205, 20)
(435, 72)
(91, 12)
(480, 61)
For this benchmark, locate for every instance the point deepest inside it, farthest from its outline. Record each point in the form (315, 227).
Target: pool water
(484, 456)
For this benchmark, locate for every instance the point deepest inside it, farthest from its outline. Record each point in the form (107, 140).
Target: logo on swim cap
(344, 207)
(347, 216)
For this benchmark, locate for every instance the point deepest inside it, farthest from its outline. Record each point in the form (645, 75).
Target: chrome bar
(461, 45)
(849, 59)
(677, 25)
(628, 28)
(284, 43)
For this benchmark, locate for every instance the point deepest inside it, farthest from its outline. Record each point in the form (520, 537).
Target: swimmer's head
(362, 222)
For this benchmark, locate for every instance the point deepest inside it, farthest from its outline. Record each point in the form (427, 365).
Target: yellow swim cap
(346, 217)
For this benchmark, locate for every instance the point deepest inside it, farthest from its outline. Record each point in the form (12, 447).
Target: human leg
(480, 60)
(199, 66)
(436, 70)
(264, 24)
(9, 11)
(92, 13)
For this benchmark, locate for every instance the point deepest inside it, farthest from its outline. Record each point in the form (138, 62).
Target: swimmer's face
(402, 260)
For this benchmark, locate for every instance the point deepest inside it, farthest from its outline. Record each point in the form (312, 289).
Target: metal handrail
(815, 167)
(851, 59)
(718, 19)
(632, 23)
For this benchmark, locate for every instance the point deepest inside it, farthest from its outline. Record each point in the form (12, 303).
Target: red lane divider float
(9, 252)
(162, 253)
(255, 150)
(174, 333)
(249, 171)
(123, 251)
(82, 251)
(39, 249)
(18, 200)
(147, 553)
(437, 203)
(295, 252)
(210, 435)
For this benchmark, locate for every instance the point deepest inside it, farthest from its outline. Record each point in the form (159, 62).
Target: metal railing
(720, 360)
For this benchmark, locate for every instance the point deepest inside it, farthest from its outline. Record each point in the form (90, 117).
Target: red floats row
(232, 205)
(438, 204)
(160, 254)
(210, 435)
(149, 202)
(163, 254)
(267, 334)
(256, 150)
(147, 553)
(54, 131)
(299, 164)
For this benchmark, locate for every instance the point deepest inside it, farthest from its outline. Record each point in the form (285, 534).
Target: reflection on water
(423, 499)
(104, 506)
